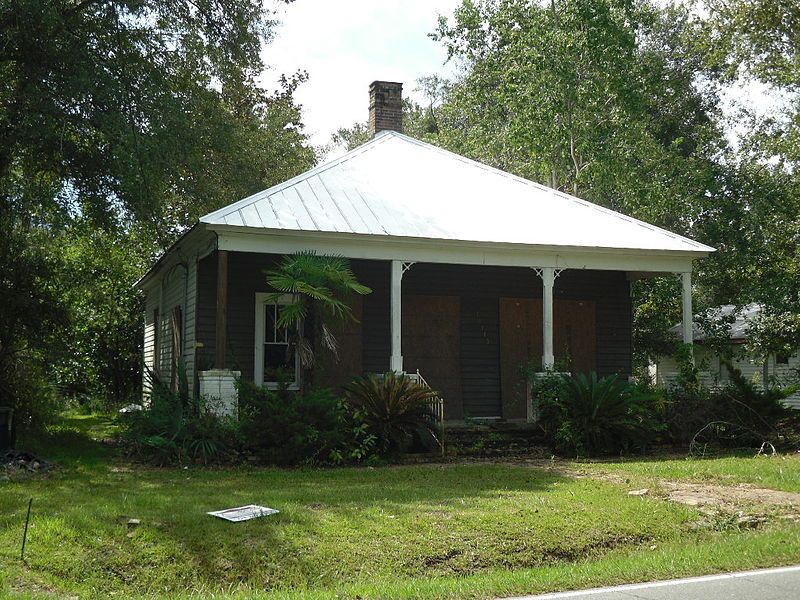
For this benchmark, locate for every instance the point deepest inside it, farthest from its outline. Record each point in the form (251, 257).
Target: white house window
(275, 356)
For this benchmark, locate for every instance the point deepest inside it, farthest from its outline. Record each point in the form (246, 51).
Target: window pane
(269, 332)
(279, 362)
(282, 333)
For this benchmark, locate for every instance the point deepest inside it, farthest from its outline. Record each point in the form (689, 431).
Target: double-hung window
(275, 356)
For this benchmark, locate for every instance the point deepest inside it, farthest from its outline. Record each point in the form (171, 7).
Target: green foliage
(30, 311)
(121, 123)
(587, 415)
(773, 332)
(395, 409)
(320, 286)
(287, 428)
(688, 405)
(738, 414)
(172, 428)
(278, 427)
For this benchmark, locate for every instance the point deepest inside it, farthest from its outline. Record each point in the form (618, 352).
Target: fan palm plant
(320, 286)
(395, 409)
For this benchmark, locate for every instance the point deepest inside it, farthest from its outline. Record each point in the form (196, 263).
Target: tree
(599, 98)
(320, 287)
(122, 122)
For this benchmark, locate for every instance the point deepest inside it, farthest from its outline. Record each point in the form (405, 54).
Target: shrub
(743, 414)
(589, 415)
(395, 409)
(688, 405)
(738, 414)
(172, 429)
(287, 428)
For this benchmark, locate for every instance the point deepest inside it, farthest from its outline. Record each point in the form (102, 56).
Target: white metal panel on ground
(398, 186)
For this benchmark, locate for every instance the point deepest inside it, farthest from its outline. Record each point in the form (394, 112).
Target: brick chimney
(385, 107)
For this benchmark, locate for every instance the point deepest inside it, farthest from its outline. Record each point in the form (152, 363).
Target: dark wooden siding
(480, 356)
(609, 290)
(246, 278)
(375, 321)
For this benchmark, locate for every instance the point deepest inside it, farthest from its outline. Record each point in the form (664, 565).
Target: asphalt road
(766, 584)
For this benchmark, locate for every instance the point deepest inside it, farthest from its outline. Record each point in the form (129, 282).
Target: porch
(468, 329)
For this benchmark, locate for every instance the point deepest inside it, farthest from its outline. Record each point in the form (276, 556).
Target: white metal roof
(397, 186)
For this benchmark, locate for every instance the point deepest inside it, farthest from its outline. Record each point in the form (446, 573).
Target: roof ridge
(552, 191)
(316, 170)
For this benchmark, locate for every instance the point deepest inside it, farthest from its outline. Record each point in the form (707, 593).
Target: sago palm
(396, 409)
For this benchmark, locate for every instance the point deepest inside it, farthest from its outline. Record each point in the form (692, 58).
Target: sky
(344, 45)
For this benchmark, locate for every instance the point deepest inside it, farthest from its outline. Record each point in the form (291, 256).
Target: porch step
(496, 439)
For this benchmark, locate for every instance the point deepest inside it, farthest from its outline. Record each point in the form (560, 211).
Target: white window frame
(262, 299)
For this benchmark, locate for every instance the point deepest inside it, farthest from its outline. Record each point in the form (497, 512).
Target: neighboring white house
(713, 373)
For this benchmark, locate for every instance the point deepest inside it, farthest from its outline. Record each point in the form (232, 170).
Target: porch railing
(435, 405)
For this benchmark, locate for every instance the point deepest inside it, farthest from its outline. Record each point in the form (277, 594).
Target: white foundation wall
(218, 388)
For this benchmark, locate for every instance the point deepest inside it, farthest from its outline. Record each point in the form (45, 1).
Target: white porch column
(396, 280)
(548, 280)
(686, 297)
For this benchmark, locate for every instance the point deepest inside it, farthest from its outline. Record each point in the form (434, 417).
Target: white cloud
(347, 44)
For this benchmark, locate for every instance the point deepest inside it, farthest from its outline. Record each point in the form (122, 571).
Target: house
(780, 368)
(474, 271)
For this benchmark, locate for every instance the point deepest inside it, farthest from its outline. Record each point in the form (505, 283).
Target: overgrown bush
(173, 429)
(586, 415)
(287, 428)
(738, 414)
(688, 405)
(743, 414)
(396, 410)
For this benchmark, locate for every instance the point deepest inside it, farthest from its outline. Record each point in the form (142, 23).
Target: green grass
(433, 531)
(779, 472)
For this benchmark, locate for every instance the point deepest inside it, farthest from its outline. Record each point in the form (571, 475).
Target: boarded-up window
(156, 343)
(176, 326)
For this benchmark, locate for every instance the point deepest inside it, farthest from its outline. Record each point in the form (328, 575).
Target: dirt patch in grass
(704, 495)
(742, 505)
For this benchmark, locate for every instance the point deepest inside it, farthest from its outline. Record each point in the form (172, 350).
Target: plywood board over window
(431, 343)
(574, 340)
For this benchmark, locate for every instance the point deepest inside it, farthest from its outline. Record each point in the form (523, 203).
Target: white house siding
(174, 293)
(712, 373)
(148, 350)
(787, 373)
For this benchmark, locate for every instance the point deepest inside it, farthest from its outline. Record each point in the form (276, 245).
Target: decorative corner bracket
(556, 272)
(406, 267)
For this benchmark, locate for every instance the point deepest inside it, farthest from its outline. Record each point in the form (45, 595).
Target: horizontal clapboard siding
(189, 321)
(148, 349)
(480, 356)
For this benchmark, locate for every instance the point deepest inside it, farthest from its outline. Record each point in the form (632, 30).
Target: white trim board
(239, 239)
(258, 370)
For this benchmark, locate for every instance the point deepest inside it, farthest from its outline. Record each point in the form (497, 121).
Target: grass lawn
(431, 531)
(781, 472)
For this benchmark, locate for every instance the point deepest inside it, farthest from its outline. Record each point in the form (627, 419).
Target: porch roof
(397, 187)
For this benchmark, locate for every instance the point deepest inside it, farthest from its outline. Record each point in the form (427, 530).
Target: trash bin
(6, 420)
